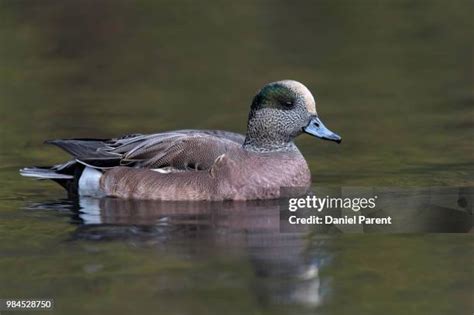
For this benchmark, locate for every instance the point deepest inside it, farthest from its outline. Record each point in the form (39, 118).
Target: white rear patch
(89, 183)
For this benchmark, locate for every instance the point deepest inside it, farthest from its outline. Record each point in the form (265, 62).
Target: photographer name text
(320, 204)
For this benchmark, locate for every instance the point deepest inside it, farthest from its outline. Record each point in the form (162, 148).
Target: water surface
(393, 78)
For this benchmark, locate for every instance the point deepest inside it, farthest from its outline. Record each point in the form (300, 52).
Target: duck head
(280, 112)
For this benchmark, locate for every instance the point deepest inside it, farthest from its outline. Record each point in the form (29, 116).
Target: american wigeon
(199, 164)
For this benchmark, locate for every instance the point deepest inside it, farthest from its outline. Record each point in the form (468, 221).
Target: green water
(394, 78)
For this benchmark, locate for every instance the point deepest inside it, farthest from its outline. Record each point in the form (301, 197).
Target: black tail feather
(81, 147)
(67, 175)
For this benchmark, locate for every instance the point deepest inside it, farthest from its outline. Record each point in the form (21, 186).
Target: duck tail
(43, 173)
(64, 174)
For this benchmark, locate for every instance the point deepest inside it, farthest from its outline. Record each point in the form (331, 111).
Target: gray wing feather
(182, 149)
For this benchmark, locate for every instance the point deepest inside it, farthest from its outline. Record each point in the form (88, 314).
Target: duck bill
(316, 128)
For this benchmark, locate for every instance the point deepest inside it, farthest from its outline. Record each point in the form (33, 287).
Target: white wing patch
(166, 170)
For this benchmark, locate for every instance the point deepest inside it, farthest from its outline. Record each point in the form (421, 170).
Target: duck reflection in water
(286, 265)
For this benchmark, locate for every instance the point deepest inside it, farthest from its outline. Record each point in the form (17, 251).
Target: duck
(187, 165)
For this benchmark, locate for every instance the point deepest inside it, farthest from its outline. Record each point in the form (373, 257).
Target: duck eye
(289, 103)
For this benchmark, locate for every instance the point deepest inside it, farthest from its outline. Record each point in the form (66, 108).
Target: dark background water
(394, 78)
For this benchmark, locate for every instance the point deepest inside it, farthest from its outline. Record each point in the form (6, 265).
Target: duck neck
(259, 144)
